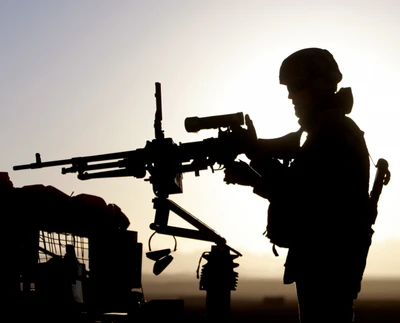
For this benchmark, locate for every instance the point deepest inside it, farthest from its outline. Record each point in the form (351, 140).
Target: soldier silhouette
(318, 192)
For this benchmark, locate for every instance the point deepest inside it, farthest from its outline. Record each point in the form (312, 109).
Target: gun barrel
(76, 160)
(39, 164)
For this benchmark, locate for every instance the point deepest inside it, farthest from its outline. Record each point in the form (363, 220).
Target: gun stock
(382, 177)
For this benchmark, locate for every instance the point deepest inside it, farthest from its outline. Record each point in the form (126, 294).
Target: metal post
(218, 279)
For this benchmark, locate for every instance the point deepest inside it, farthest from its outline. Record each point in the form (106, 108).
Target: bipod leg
(218, 279)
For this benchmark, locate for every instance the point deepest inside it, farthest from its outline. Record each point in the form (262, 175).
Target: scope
(194, 124)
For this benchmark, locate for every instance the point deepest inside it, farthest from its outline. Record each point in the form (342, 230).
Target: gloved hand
(241, 173)
(251, 131)
(247, 137)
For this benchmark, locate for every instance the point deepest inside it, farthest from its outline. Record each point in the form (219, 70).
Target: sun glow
(88, 88)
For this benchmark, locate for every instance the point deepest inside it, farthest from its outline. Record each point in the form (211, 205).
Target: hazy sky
(77, 78)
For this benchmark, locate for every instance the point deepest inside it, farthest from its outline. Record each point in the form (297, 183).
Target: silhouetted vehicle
(77, 259)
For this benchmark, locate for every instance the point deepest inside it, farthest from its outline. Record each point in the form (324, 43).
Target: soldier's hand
(252, 134)
(251, 138)
(246, 137)
(241, 173)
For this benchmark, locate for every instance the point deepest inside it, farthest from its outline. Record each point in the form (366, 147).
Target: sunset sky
(77, 79)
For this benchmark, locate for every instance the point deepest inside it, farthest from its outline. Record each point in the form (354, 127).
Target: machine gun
(165, 162)
(161, 158)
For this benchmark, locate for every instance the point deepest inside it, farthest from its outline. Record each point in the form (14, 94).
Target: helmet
(310, 66)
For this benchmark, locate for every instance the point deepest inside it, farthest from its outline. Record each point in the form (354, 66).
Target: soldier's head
(311, 76)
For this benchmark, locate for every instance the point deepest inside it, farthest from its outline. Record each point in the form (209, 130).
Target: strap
(274, 250)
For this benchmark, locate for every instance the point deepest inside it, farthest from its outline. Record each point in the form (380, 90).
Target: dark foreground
(372, 311)
(193, 310)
